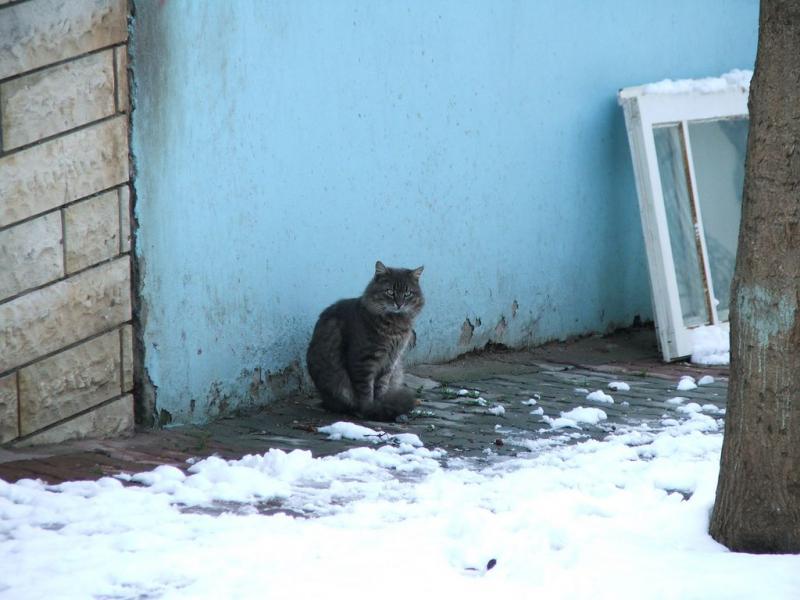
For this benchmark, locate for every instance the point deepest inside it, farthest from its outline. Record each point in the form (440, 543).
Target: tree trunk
(757, 506)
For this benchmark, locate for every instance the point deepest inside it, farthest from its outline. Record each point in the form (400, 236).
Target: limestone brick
(91, 228)
(122, 78)
(43, 177)
(127, 357)
(57, 99)
(50, 318)
(39, 32)
(8, 408)
(125, 218)
(63, 385)
(110, 420)
(31, 254)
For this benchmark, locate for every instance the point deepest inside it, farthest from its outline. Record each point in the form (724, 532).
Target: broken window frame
(643, 113)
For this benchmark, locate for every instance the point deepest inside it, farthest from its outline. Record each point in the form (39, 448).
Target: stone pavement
(557, 376)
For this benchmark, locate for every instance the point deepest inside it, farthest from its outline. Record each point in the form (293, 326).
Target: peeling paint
(164, 417)
(501, 328)
(514, 309)
(217, 400)
(467, 329)
(287, 380)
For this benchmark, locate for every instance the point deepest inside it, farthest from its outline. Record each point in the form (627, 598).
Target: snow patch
(350, 431)
(711, 345)
(686, 383)
(600, 396)
(737, 79)
(606, 503)
(619, 386)
(572, 418)
(705, 380)
(496, 410)
(677, 400)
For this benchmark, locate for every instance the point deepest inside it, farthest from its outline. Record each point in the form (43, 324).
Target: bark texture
(757, 506)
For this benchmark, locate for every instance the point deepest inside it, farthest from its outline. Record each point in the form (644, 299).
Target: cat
(355, 357)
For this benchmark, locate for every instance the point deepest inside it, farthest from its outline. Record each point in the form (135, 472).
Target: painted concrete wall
(282, 147)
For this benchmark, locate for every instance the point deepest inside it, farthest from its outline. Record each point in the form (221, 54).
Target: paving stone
(92, 231)
(464, 429)
(8, 408)
(63, 385)
(56, 99)
(110, 420)
(31, 254)
(64, 169)
(39, 32)
(50, 318)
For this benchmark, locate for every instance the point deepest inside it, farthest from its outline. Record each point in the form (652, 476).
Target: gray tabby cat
(355, 357)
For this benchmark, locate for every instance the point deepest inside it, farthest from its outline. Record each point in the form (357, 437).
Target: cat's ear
(417, 272)
(380, 268)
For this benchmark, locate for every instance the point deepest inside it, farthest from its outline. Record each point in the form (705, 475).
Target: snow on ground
(621, 518)
(686, 383)
(711, 345)
(351, 431)
(600, 396)
(572, 418)
(619, 386)
(497, 410)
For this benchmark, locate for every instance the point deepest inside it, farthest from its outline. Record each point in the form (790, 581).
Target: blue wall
(282, 147)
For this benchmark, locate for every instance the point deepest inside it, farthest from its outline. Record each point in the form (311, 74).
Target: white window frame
(644, 111)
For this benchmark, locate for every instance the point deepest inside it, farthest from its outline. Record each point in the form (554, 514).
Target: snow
(529, 402)
(711, 345)
(496, 410)
(705, 380)
(350, 431)
(600, 396)
(597, 519)
(677, 400)
(572, 418)
(691, 407)
(686, 383)
(619, 386)
(732, 80)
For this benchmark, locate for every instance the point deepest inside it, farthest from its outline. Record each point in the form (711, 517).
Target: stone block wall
(65, 284)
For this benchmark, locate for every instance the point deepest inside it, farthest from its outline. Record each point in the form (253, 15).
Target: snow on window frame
(675, 103)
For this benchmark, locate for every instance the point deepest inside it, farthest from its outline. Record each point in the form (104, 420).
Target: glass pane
(718, 151)
(678, 204)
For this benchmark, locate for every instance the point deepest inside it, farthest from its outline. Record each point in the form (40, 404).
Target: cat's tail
(391, 405)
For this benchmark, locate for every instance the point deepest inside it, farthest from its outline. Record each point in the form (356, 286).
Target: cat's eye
(408, 294)
(390, 293)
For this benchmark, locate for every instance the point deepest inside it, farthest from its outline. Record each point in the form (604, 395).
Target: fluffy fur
(355, 357)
